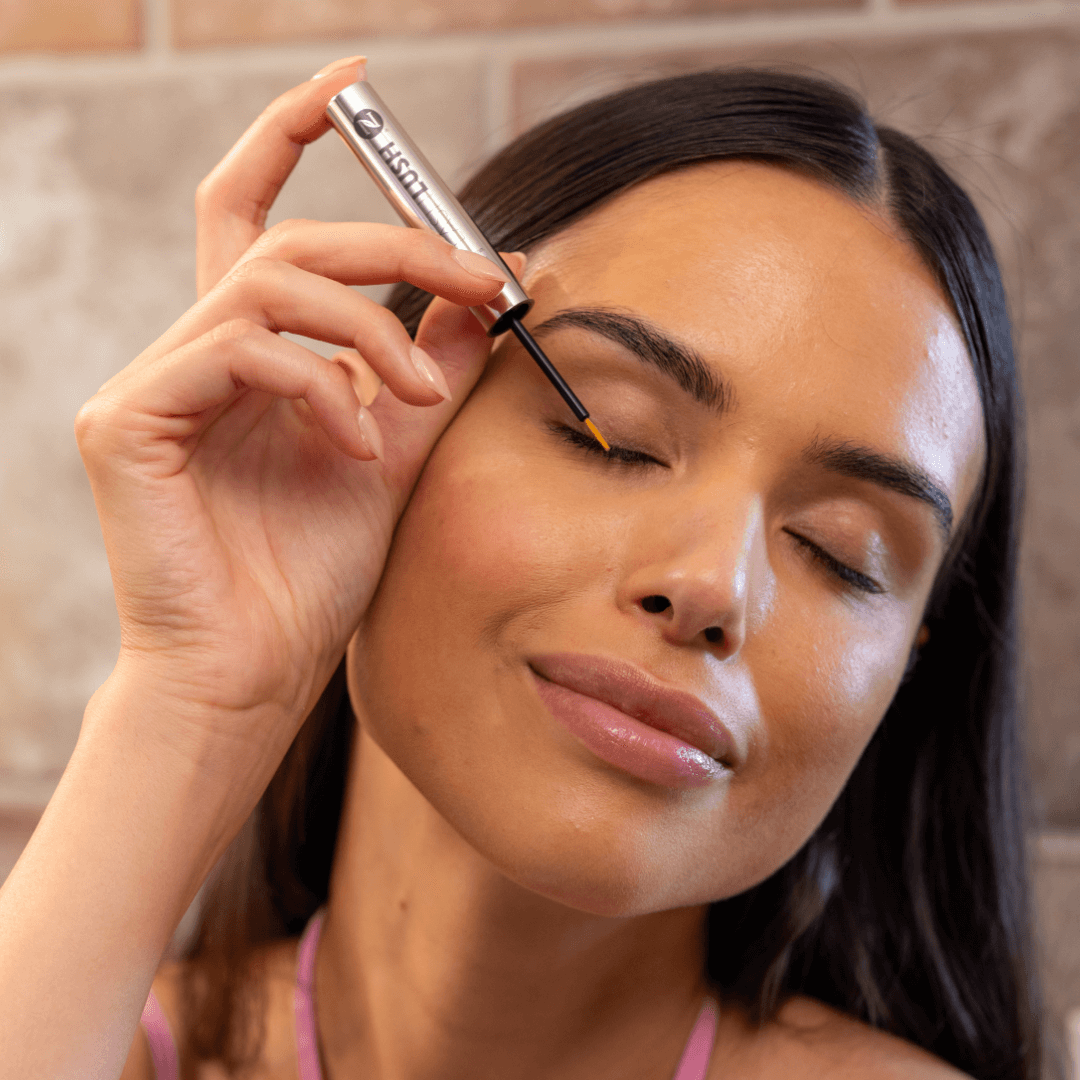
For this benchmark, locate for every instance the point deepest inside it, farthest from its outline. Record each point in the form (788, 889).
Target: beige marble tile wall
(1057, 897)
(111, 111)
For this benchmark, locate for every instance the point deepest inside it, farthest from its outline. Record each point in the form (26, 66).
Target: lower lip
(626, 743)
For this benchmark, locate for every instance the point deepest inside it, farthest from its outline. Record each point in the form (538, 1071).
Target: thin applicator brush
(423, 201)
(560, 384)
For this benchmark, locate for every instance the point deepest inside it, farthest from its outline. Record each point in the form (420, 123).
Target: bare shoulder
(274, 969)
(810, 1039)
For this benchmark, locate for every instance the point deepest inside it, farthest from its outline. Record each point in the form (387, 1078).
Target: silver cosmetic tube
(416, 192)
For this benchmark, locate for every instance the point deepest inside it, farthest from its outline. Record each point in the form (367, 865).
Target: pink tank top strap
(699, 1047)
(307, 1040)
(692, 1066)
(160, 1038)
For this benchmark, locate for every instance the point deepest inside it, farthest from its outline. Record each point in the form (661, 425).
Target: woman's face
(792, 413)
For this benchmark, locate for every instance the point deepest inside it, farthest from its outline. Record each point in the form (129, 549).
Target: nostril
(655, 604)
(714, 635)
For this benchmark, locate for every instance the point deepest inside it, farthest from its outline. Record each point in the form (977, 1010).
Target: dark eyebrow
(862, 463)
(704, 384)
(649, 343)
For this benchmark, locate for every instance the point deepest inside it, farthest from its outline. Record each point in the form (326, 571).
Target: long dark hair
(908, 907)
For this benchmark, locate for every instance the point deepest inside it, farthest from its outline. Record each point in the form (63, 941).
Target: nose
(694, 576)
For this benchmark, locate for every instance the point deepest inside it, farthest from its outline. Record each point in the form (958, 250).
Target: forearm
(245, 544)
(86, 914)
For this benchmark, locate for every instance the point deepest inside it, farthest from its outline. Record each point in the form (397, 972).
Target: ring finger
(282, 297)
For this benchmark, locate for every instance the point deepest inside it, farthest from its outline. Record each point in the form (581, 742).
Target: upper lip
(638, 694)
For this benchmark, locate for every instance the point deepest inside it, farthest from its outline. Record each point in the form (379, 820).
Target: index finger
(231, 204)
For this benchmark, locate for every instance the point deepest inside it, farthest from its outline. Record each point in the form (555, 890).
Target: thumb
(454, 339)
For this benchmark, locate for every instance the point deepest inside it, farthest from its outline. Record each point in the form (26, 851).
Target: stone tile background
(69, 25)
(112, 110)
(226, 22)
(1057, 899)
(97, 260)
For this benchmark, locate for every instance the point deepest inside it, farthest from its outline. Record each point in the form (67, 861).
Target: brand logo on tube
(368, 123)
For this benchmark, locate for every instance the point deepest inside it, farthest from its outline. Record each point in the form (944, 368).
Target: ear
(921, 638)
(516, 260)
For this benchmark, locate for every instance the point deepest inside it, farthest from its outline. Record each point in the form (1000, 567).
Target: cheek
(827, 686)
(850, 685)
(482, 550)
(485, 537)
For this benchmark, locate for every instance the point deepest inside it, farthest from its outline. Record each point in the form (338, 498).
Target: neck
(433, 963)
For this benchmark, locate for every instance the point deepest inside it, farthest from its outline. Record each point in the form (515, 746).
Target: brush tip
(596, 434)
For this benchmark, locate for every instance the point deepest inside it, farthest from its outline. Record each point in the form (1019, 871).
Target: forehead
(812, 305)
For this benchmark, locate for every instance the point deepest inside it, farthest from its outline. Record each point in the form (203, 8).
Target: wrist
(143, 730)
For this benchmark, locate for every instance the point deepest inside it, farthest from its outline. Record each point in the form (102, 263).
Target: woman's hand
(247, 506)
(245, 515)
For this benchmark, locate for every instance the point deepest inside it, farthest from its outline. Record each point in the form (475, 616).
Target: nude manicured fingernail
(370, 433)
(429, 371)
(323, 72)
(478, 265)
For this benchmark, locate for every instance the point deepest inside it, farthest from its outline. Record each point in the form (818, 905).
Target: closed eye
(626, 456)
(585, 441)
(835, 567)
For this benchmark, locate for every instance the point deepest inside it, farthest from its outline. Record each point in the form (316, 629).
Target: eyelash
(841, 570)
(621, 454)
(626, 456)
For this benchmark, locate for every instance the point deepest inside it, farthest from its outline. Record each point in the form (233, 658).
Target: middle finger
(283, 297)
(366, 253)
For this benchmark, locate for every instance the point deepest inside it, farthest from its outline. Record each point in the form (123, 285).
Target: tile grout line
(1058, 847)
(880, 18)
(157, 45)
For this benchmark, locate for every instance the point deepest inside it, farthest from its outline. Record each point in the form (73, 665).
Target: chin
(610, 847)
(587, 875)
(576, 832)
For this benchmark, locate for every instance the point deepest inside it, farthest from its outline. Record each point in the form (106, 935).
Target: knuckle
(237, 333)
(205, 192)
(429, 241)
(288, 227)
(341, 365)
(428, 248)
(259, 273)
(91, 421)
(382, 330)
(334, 376)
(339, 383)
(279, 238)
(85, 419)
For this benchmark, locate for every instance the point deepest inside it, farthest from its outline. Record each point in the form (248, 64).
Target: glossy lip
(634, 722)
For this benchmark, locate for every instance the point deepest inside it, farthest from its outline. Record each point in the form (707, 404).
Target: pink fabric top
(307, 1038)
(692, 1065)
(160, 1037)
